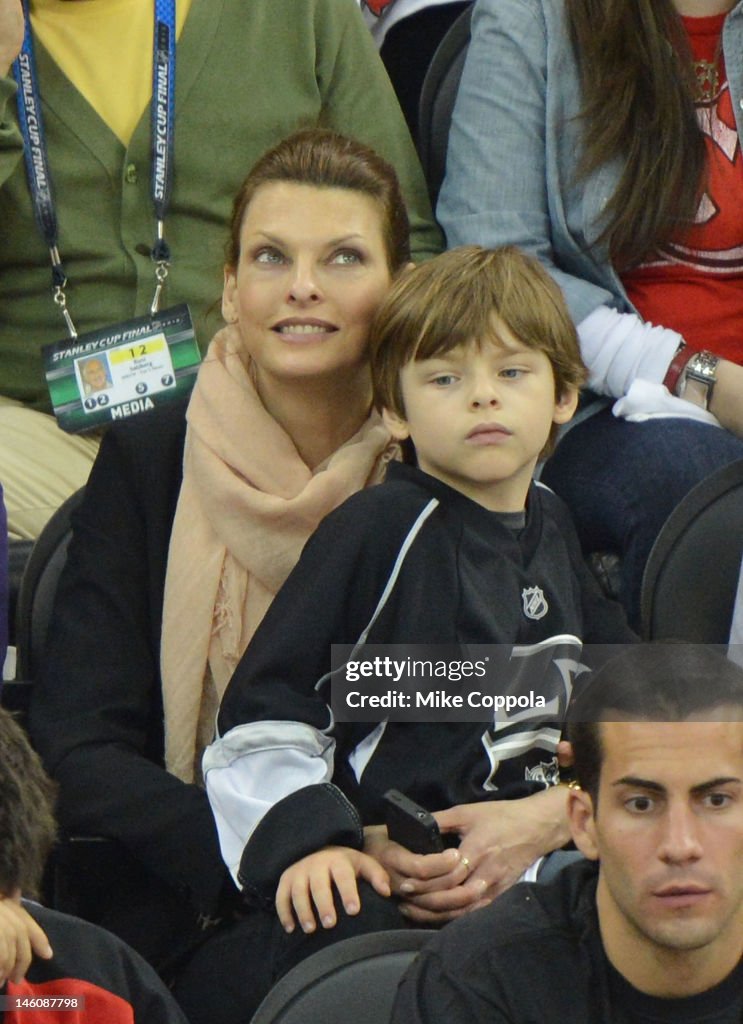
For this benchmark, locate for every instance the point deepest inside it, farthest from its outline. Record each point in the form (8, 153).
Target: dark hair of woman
(325, 159)
(639, 88)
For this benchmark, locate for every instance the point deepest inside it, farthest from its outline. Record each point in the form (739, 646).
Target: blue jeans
(622, 480)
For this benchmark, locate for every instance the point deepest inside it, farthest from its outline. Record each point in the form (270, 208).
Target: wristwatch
(701, 373)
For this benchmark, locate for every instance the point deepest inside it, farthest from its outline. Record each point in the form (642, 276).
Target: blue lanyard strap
(163, 104)
(34, 145)
(36, 157)
(163, 109)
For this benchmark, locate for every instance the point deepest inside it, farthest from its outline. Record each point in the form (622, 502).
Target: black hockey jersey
(411, 561)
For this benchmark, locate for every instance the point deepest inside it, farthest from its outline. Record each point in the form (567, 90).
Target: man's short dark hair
(27, 827)
(663, 682)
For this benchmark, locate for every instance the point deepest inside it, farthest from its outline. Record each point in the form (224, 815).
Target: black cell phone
(411, 825)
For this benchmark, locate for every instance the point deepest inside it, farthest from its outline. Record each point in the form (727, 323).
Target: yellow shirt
(104, 47)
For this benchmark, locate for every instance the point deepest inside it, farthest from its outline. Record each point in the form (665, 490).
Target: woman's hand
(727, 397)
(20, 938)
(11, 33)
(444, 875)
(433, 870)
(306, 888)
(500, 839)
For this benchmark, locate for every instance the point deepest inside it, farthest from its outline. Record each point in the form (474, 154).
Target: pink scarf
(246, 507)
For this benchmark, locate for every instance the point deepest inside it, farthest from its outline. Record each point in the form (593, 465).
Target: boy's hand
(306, 888)
(20, 938)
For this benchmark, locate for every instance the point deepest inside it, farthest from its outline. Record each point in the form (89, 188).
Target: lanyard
(163, 117)
(37, 161)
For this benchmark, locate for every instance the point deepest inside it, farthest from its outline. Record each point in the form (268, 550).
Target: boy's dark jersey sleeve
(328, 598)
(269, 774)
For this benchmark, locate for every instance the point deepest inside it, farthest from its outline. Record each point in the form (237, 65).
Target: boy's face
(480, 415)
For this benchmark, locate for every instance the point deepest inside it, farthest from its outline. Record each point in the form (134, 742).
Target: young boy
(56, 969)
(475, 362)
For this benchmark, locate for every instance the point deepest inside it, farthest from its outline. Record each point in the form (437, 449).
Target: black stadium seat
(352, 980)
(691, 578)
(438, 94)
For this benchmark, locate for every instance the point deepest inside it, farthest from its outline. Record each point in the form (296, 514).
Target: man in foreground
(650, 927)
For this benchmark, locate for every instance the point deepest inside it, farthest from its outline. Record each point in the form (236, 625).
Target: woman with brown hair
(192, 520)
(604, 138)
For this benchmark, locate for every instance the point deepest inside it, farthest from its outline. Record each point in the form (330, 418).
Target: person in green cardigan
(247, 74)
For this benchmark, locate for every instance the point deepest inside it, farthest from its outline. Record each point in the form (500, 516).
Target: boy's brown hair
(452, 300)
(27, 827)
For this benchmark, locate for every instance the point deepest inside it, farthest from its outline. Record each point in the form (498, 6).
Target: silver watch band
(702, 368)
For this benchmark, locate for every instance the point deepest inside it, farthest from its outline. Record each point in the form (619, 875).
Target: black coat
(535, 956)
(96, 714)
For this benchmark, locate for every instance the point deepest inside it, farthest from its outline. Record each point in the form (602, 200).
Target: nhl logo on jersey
(535, 603)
